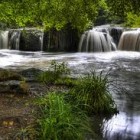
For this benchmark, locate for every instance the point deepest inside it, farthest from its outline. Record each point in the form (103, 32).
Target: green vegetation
(133, 20)
(56, 71)
(50, 14)
(92, 93)
(64, 113)
(119, 9)
(61, 120)
(58, 14)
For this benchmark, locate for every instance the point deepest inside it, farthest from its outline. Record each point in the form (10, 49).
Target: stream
(123, 68)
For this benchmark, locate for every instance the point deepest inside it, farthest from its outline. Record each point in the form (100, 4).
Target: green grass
(92, 93)
(65, 116)
(60, 120)
(55, 72)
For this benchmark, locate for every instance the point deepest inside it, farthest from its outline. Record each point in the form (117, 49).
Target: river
(124, 72)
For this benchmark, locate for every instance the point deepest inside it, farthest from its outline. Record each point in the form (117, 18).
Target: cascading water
(41, 38)
(4, 39)
(14, 40)
(130, 41)
(96, 40)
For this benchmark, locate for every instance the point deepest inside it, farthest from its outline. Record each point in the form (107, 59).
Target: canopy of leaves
(121, 8)
(49, 13)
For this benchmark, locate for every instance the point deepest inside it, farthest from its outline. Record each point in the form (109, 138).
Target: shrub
(60, 120)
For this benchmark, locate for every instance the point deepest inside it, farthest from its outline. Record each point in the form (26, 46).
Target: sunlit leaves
(50, 14)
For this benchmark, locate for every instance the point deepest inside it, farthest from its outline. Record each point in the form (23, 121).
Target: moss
(9, 75)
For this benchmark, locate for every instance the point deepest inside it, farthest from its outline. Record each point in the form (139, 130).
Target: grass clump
(55, 72)
(60, 120)
(92, 93)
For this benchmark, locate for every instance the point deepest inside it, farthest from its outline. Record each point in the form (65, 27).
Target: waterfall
(41, 38)
(4, 39)
(14, 40)
(96, 40)
(130, 41)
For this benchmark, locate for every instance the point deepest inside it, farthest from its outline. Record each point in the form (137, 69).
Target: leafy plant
(60, 120)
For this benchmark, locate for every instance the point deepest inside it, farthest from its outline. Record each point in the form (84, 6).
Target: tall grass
(60, 120)
(92, 92)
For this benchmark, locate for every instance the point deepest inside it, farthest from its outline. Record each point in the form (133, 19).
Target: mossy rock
(14, 86)
(6, 75)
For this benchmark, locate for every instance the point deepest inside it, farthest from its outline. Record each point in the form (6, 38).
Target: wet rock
(13, 86)
(9, 75)
(31, 74)
(30, 40)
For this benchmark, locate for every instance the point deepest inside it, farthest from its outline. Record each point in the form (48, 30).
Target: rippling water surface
(124, 72)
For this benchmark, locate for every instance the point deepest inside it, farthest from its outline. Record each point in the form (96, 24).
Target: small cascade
(41, 38)
(4, 39)
(96, 40)
(14, 39)
(130, 41)
(116, 33)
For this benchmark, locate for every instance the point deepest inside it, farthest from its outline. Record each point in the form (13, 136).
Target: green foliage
(120, 8)
(55, 71)
(66, 81)
(48, 77)
(60, 68)
(60, 120)
(50, 14)
(91, 91)
(133, 20)
(93, 95)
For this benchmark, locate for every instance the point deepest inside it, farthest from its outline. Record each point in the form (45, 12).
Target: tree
(57, 14)
(120, 8)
